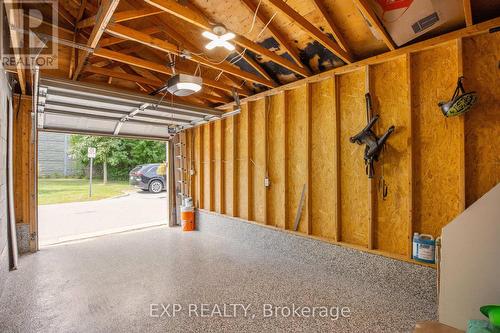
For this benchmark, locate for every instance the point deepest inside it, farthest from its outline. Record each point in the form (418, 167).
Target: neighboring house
(53, 155)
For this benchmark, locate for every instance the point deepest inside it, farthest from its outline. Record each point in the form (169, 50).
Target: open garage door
(82, 108)
(76, 107)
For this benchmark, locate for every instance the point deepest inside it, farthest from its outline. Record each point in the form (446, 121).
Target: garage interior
(261, 102)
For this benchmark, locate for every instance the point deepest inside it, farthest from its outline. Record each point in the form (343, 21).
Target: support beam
(461, 178)
(116, 40)
(372, 185)
(123, 16)
(121, 75)
(191, 15)
(286, 106)
(336, 162)
(409, 150)
(468, 13)
(200, 167)
(311, 30)
(266, 156)
(308, 159)
(155, 67)
(211, 166)
(102, 18)
(417, 47)
(16, 37)
(255, 65)
(162, 45)
(234, 181)
(221, 160)
(213, 98)
(161, 25)
(81, 11)
(60, 29)
(333, 27)
(275, 32)
(65, 15)
(249, 166)
(369, 14)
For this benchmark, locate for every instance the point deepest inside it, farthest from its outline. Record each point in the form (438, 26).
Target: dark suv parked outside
(146, 178)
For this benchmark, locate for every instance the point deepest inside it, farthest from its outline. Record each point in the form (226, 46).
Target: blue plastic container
(424, 248)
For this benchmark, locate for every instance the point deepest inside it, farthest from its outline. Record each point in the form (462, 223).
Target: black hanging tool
(461, 101)
(373, 143)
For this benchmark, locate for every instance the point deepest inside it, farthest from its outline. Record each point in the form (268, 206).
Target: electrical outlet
(267, 182)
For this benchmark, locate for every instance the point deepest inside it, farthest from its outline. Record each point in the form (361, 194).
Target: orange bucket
(187, 218)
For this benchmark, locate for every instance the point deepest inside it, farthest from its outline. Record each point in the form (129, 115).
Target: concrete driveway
(69, 221)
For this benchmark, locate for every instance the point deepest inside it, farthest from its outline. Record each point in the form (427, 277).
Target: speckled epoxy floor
(108, 284)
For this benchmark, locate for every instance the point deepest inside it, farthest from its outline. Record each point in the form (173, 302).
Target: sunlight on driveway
(69, 221)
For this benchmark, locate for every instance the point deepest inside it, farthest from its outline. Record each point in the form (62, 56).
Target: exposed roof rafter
(146, 64)
(66, 15)
(16, 37)
(108, 41)
(103, 16)
(275, 32)
(468, 13)
(372, 18)
(124, 32)
(311, 30)
(120, 75)
(190, 14)
(333, 27)
(123, 16)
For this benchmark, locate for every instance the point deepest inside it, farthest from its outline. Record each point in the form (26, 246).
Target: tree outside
(116, 156)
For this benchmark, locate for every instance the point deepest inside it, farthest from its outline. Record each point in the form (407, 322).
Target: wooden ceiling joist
(369, 14)
(65, 15)
(275, 32)
(213, 98)
(60, 29)
(162, 24)
(255, 65)
(104, 15)
(120, 75)
(333, 27)
(468, 13)
(124, 32)
(116, 40)
(377, 59)
(159, 68)
(311, 30)
(16, 39)
(73, 61)
(191, 15)
(144, 73)
(81, 11)
(122, 16)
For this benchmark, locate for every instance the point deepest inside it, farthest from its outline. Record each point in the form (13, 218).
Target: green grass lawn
(52, 191)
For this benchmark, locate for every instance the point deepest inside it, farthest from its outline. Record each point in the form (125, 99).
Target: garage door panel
(69, 106)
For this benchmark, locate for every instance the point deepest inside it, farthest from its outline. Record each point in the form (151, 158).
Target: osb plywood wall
(434, 166)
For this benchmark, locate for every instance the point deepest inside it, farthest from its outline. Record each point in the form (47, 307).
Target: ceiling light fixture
(184, 85)
(219, 38)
